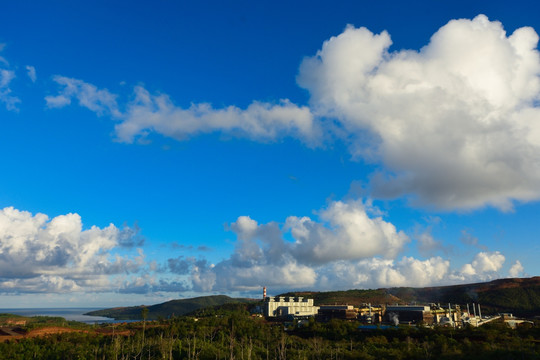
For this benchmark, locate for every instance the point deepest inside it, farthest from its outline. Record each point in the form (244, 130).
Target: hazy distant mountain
(167, 309)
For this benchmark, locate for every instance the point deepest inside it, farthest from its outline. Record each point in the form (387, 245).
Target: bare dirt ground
(7, 333)
(52, 330)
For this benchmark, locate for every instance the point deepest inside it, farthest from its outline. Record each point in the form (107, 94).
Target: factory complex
(288, 308)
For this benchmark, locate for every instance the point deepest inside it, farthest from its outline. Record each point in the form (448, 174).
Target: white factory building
(281, 306)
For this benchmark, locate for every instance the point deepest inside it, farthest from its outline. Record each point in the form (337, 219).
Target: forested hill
(519, 296)
(167, 309)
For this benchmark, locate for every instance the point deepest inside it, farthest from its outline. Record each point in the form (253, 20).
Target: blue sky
(172, 150)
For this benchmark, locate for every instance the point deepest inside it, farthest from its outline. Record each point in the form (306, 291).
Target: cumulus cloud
(347, 232)
(263, 257)
(348, 247)
(516, 269)
(454, 124)
(374, 272)
(38, 254)
(377, 272)
(485, 266)
(286, 276)
(488, 262)
(203, 276)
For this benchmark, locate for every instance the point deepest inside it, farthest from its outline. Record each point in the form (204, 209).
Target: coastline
(70, 314)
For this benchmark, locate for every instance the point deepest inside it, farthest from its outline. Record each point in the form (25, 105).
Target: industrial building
(429, 315)
(370, 314)
(283, 306)
(446, 316)
(410, 314)
(344, 312)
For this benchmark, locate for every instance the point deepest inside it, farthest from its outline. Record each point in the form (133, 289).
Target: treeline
(169, 308)
(234, 334)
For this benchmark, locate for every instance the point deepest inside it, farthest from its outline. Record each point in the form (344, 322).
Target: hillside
(518, 296)
(349, 297)
(167, 309)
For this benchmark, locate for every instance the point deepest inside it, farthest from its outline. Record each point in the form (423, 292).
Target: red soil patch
(52, 330)
(8, 334)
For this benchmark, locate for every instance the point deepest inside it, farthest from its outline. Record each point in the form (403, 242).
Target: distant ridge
(167, 309)
(520, 296)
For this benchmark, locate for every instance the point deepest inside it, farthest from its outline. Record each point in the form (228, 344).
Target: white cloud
(10, 101)
(376, 272)
(100, 101)
(259, 121)
(516, 269)
(7, 75)
(38, 254)
(347, 232)
(485, 266)
(347, 249)
(203, 277)
(455, 124)
(229, 277)
(368, 273)
(149, 113)
(488, 262)
(31, 72)
(263, 257)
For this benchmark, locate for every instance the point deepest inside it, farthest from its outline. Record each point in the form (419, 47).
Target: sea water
(70, 314)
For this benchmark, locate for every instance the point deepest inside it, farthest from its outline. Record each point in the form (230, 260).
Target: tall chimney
(479, 312)
(264, 292)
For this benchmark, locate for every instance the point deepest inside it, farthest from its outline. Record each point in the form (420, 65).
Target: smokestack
(264, 292)
(479, 312)
(474, 309)
(451, 317)
(468, 311)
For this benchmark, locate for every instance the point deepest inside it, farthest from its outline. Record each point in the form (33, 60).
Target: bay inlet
(70, 314)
